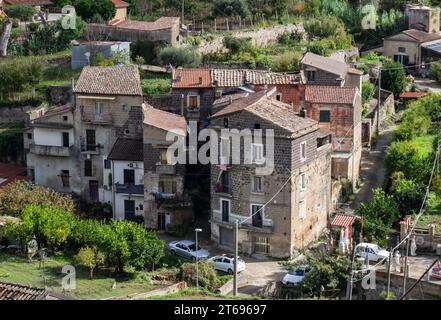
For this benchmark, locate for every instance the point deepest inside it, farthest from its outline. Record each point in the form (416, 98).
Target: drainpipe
(72, 97)
(113, 190)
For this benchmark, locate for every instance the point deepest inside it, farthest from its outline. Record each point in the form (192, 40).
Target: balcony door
(129, 177)
(257, 215)
(225, 208)
(161, 221)
(93, 191)
(129, 209)
(65, 139)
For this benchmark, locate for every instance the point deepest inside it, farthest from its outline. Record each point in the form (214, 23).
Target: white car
(372, 251)
(295, 276)
(225, 263)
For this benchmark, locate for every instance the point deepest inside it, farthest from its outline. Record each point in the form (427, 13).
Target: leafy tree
(87, 9)
(435, 69)
(312, 7)
(409, 196)
(402, 156)
(180, 57)
(417, 120)
(368, 90)
(324, 27)
(380, 214)
(51, 226)
(208, 277)
(17, 195)
(22, 12)
(430, 105)
(230, 8)
(90, 258)
(288, 61)
(237, 45)
(393, 77)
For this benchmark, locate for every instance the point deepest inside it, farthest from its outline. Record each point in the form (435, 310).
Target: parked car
(372, 251)
(295, 276)
(225, 263)
(187, 249)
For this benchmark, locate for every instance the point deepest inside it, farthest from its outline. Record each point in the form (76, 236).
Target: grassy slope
(15, 268)
(194, 294)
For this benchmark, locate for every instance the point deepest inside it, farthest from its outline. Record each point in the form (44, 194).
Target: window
(98, 108)
(279, 97)
(107, 164)
(88, 168)
(65, 118)
(124, 107)
(302, 209)
(261, 245)
(310, 75)
(193, 102)
(258, 153)
(257, 184)
(257, 215)
(303, 151)
(257, 126)
(163, 155)
(225, 209)
(129, 176)
(90, 140)
(225, 122)
(93, 191)
(167, 186)
(401, 49)
(129, 209)
(30, 136)
(225, 181)
(65, 139)
(65, 178)
(302, 180)
(325, 115)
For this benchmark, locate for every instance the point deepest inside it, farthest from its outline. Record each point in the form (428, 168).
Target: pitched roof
(161, 23)
(279, 113)
(127, 149)
(330, 94)
(10, 172)
(191, 78)
(165, 120)
(327, 64)
(29, 2)
(230, 97)
(240, 77)
(413, 95)
(120, 4)
(120, 80)
(417, 35)
(13, 291)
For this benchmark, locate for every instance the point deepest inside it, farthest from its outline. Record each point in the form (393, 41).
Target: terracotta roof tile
(421, 36)
(191, 78)
(118, 80)
(412, 95)
(269, 109)
(127, 149)
(10, 172)
(165, 120)
(13, 291)
(240, 77)
(330, 94)
(120, 4)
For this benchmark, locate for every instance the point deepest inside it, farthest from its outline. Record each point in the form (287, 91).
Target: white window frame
(98, 106)
(198, 101)
(253, 184)
(257, 146)
(262, 211)
(302, 207)
(302, 181)
(302, 147)
(221, 207)
(223, 158)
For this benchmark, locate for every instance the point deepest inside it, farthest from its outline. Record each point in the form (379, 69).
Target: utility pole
(405, 264)
(236, 254)
(379, 100)
(388, 273)
(182, 12)
(351, 277)
(422, 276)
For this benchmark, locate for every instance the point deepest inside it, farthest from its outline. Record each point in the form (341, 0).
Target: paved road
(428, 84)
(373, 168)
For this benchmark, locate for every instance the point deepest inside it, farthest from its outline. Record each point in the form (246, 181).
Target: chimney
(178, 78)
(302, 113)
(200, 80)
(231, 99)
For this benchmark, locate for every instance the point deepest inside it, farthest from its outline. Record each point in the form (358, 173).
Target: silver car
(187, 249)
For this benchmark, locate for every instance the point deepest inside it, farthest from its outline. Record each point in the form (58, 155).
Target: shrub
(22, 12)
(288, 61)
(393, 77)
(402, 156)
(90, 258)
(237, 45)
(435, 69)
(208, 277)
(409, 196)
(368, 90)
(180, 57)
(384, 296)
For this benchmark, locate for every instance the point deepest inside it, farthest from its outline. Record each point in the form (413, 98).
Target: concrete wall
(52, 137)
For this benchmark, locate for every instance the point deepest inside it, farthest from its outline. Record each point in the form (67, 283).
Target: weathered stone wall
(259, 38)
(14, 115)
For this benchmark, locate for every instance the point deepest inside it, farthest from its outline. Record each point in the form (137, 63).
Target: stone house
(68, 147)
(423, 18)
(271, 222)
(165, 201)
(319, 70)
(410, 47)
(338, 109)
(121, 10)
(197, 92)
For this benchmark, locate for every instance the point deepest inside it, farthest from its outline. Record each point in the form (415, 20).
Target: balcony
(165, 168)
(54, 151)
(265, 227)
(104, 119)
(172, 200)
(129, 188)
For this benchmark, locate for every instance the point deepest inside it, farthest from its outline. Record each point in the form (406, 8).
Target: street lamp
(197, 230)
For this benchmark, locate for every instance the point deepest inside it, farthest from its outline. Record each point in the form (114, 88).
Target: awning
(342, 220)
